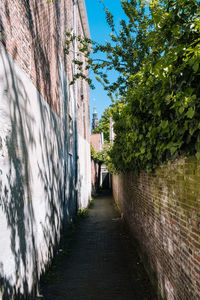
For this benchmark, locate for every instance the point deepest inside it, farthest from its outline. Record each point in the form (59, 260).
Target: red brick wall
(163, 212)
(95, 140)
(39, 164)
(83, 94)
(33, 32)
(31, 36)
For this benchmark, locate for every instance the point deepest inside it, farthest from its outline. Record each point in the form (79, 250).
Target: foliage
(103, 157)
(97, 156)
(161, 118)
(107, 158)
(124, 52)
(83, 213)
(157, 55)
(91, 203)
(104, 124)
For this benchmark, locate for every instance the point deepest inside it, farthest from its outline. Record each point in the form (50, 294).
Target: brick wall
(45, 171)
(33, 32)
(96, 141)
(163, 212)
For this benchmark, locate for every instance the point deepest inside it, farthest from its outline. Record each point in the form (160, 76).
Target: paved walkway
(103, 265)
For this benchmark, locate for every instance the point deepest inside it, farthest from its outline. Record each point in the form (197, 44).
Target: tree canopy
(156, 52)
(161, 118)
(104, 124)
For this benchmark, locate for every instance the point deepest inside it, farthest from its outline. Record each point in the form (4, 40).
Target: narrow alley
(102, 264)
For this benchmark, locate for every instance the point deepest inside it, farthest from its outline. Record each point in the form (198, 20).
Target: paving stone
(103, 264)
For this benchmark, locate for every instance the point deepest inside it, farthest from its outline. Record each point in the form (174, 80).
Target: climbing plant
(161, 118)
(156, 53)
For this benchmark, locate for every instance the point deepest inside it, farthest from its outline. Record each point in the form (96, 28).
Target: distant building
(99, 173)
(95, 121)
(95, 140)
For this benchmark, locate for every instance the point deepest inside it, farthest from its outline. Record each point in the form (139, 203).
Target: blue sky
(99, 31)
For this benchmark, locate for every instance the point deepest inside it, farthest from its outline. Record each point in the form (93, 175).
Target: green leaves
(124, 51)
(156, 52)
(162, 100)
(196, 66)
(164, 124)
(104, 123)
(181, 109)
(97, 156)
(197, 155)
(190, 113)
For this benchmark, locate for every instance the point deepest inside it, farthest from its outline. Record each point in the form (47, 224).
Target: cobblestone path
(103, 264)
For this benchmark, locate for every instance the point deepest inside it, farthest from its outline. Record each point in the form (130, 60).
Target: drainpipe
(75, 105)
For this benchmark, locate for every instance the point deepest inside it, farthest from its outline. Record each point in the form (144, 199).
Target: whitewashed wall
(37, 178)
(84, 180)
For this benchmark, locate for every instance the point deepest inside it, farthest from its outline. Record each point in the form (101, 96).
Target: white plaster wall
(85, 172)
(36, 178)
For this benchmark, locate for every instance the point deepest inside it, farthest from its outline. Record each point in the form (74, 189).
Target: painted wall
(83, 119)
(163, 213)
(84, 178)
(35, 191)
(43, 178)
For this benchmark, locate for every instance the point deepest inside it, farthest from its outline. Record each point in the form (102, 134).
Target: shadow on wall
(17, 193)
(35, 165)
